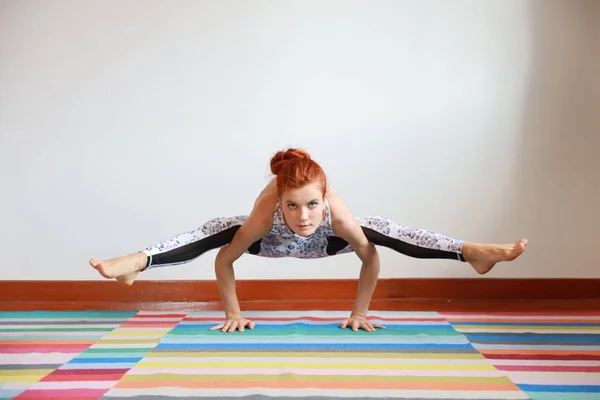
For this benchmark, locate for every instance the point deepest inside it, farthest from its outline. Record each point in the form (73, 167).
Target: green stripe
(561, 396)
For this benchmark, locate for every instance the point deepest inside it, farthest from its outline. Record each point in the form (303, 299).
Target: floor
(420, 355)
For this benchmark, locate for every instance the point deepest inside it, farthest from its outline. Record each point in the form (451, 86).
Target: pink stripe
(549, 368)
(44, 348)
(68, 393)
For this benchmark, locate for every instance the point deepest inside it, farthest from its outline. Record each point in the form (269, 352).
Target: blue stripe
(104, 360)
(560, 388)
(9, 393)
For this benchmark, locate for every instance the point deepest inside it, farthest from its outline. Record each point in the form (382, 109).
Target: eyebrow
(311, 201)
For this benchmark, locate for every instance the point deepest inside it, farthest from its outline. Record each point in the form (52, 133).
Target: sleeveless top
(281, 241)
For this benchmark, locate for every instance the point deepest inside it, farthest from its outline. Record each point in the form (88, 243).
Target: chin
(305, 232)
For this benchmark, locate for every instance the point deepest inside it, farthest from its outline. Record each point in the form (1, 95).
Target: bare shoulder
(342, 220)
(267, 199)
(260, 219)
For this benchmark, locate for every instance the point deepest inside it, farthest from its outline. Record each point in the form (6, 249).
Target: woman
(299, 215)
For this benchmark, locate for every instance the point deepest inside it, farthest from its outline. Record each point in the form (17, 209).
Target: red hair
(294, 169)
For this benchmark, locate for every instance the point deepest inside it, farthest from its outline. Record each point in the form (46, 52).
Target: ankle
(141, 259)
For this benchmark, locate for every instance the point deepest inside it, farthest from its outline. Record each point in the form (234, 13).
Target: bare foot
(124, 269)
(483, 257)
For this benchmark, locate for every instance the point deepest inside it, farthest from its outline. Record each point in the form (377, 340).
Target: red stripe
(159, 316)
(542, 357)
(91, 371)
(548, 368)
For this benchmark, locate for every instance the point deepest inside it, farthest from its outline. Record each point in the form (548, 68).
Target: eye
(292, 206)
(313, 204)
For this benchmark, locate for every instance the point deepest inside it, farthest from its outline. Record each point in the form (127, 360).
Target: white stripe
(66, 385)
(350, 393)
(111, 365)
(36, 358)
(153, 357)
(316, 314)
(65, 326)
(16, 385)
(554, 378)
(119, 320)
(25, 335)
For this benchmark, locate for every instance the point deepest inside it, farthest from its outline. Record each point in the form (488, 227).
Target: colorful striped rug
(421, 355)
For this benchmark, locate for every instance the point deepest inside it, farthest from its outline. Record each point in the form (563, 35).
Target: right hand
(234, 322)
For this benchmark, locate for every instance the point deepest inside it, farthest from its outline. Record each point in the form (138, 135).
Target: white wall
(125, 122)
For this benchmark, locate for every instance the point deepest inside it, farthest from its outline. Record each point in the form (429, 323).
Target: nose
(304, 215)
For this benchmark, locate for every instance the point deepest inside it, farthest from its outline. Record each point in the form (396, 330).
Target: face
(303, 209)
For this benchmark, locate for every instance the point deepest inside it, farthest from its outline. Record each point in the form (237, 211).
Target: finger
(355, 325)
(216, 327)
(241, 326)
(379, 326)
(367, 327)
(226, 326)
(251, 325)
(233, 326)
(370, 327)
(344, 324)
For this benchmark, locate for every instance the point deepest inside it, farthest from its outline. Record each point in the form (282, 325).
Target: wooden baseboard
(409, 294)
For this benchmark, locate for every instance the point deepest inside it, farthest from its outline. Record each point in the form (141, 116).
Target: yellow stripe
(23, 375)
(172, 378)
(128, 341)
(251, 365)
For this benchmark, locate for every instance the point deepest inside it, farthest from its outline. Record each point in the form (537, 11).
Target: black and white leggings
(218, 232)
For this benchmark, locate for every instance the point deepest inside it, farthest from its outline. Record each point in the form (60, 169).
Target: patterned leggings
(218, 232)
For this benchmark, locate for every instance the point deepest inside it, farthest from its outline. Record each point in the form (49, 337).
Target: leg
(420, 243)
(179, 249)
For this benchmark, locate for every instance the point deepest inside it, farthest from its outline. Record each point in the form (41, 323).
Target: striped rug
(421, 355)
(549, 356)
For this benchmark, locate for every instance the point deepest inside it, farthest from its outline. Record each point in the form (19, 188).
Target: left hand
(357, 321)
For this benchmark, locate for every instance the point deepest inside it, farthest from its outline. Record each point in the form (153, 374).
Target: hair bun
(282, 157)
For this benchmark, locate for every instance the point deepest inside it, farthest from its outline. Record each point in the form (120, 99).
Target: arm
(346, 227)
(257, 225)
